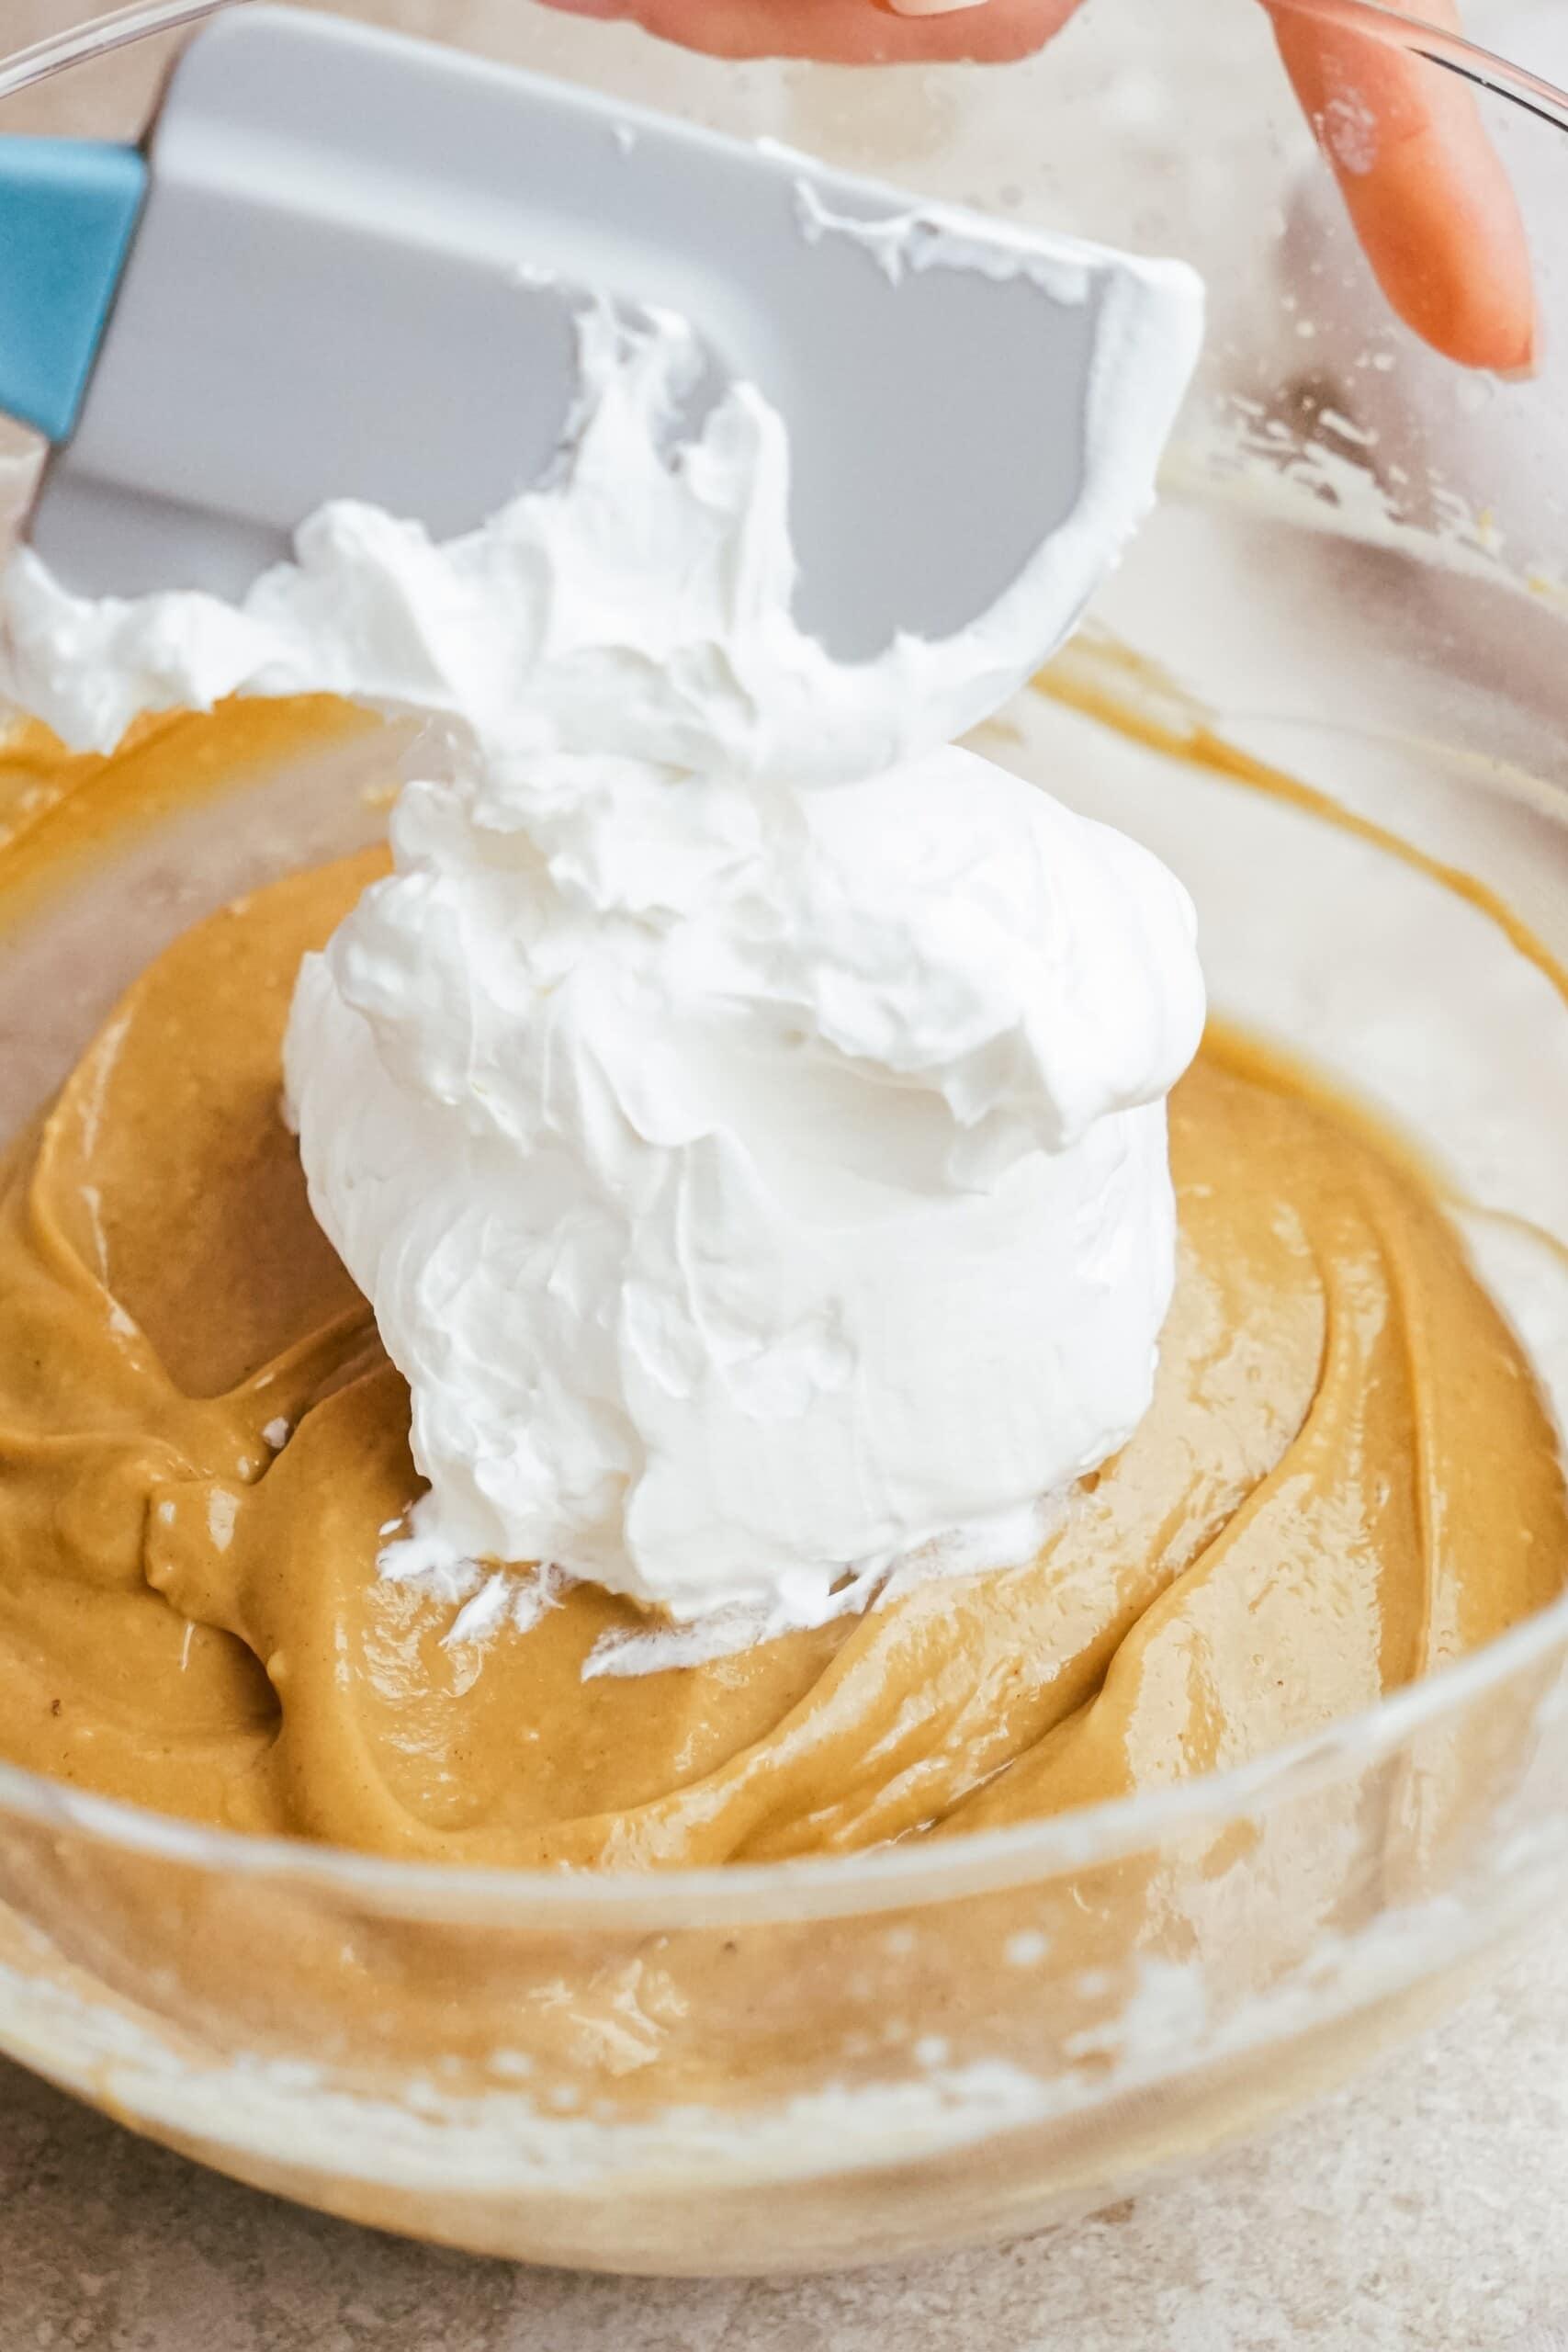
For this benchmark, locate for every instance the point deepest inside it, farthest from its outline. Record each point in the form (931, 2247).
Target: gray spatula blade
(336, 291)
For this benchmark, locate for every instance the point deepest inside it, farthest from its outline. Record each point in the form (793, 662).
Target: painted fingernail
(931, 8)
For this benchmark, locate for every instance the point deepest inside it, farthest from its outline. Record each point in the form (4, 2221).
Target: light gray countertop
(1426, 2211)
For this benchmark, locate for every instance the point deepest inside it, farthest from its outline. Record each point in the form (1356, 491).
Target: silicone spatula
(349, 265)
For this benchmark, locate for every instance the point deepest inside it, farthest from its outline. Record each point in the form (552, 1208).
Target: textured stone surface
(1423, 2209)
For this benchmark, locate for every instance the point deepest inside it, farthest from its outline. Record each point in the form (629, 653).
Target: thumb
(1426, 191)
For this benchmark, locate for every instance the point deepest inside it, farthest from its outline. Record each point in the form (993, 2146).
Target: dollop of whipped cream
(750, 1179)
(744, 1112)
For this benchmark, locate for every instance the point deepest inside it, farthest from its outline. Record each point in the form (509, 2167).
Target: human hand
(1424, 187)
(847, 32)
(1428, 198)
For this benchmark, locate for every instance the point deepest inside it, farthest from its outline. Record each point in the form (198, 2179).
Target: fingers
(847, 32)
(1429, 196)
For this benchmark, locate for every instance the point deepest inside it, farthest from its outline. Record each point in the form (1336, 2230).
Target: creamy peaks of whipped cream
(743, 1109)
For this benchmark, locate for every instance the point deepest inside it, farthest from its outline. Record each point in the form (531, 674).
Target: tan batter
(1347, 1477)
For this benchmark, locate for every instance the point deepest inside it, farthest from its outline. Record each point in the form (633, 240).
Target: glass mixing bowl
(1326, 686)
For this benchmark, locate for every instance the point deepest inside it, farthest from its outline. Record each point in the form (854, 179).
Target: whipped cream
(757, 1182)
(750, 1179)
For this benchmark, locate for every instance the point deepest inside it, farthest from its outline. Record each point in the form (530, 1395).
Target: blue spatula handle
(68, 210)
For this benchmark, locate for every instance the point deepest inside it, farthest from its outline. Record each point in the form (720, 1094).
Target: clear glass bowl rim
(919, 1872)
(137, 20)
